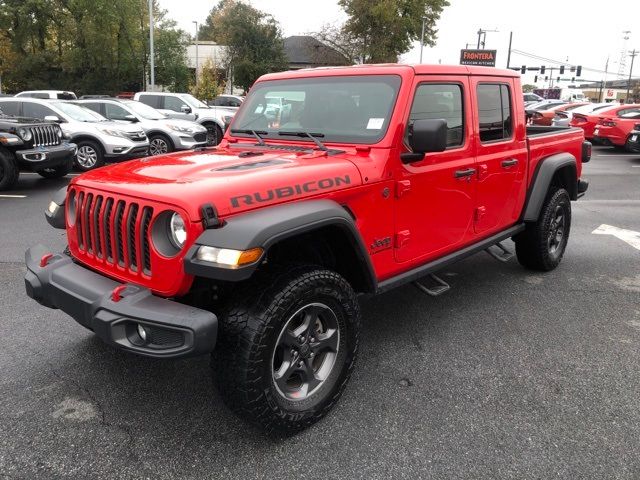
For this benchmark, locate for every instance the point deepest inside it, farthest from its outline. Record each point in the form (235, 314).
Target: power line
(557, 62)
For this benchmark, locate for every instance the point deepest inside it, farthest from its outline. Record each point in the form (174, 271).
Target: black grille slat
(119, 234)
(132, 237)
(145, 255)
(96, 225)
(106, 228)
(79, 226)
(86, 223)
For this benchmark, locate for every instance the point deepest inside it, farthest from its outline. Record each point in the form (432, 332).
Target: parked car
(87, 97)
(165, 134)
(187, 107)
(259, 248)
(588, 122)
(616, 131)
(563, 119)
(545, 116)
(98, 139)
(29, 144)
(634, 139)
(531, 97)
(230, 101)
(50, 94)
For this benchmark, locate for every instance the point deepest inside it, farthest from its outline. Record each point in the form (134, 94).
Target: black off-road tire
(9, 171)
(59, 171)
(250, 332)
(542, 245)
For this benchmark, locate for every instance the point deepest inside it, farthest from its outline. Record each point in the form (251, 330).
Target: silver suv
(187, 107)
(98, 139)
(165, 134)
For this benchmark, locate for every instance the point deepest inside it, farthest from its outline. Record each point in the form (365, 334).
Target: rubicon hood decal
(289, 191)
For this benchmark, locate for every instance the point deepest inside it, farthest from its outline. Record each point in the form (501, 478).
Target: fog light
(53, 207)
(142, 332)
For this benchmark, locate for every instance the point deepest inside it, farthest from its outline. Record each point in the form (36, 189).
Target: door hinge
(402, 238)
(402, 187)
(480, 212)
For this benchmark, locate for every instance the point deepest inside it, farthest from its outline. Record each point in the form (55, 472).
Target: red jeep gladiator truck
(330, 183)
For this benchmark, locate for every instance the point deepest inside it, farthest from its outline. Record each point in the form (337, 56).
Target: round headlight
(24, 134)
(177, 231)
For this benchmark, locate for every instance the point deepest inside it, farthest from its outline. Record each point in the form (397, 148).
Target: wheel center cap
(305, 350)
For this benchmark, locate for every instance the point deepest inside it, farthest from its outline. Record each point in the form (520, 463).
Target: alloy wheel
(305, 351)
(87, 157)
(158, 146)
(556, 231)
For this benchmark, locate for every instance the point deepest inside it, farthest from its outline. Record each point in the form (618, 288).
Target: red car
(588, 122)
(376, 177)
(545, 117)
(616, 131)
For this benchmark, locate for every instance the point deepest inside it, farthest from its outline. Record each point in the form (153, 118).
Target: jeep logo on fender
(289, 191)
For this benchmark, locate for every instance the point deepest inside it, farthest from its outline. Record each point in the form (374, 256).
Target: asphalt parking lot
(511, 374)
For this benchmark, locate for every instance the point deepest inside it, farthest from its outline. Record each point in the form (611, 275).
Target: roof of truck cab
(391, 68)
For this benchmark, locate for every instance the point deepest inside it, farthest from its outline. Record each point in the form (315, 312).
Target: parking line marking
(13, 196)
(628, 236)
(34, 173)
(617, 155)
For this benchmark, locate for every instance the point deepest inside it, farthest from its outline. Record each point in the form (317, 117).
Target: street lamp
(422, 38)
(196, 50)
(152, 76)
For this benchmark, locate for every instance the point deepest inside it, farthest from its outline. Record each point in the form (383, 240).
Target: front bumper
(173, 330)
(37, 159)
(116, 149)
(186, 142)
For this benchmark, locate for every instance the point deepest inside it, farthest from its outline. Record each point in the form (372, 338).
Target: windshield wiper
(255, 133)
(312, 136)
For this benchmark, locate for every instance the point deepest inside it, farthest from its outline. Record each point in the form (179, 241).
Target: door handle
(464, 173)
(509, 163)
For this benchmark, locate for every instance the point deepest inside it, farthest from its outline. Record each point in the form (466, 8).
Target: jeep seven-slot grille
(114, 231)
(45, 135)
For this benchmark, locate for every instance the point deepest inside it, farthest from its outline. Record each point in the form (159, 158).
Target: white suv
(188, 107)
(97, 138)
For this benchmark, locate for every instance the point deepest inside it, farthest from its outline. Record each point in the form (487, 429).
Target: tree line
(102, 46)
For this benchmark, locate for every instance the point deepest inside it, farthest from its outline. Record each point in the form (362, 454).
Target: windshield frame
(394, 80)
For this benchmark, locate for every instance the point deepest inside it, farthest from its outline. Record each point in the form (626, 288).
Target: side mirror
(131, 118)
(52, 118)
(185, 109)
(426, 136)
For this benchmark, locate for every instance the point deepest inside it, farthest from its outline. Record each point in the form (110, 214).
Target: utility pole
(422, 38)
(632, 54)
(509, 54)
(196, 51)
(482, 37)
(152, 76)
(604, 83)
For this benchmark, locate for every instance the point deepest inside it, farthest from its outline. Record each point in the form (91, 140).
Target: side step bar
(503, 256)
(438, 289)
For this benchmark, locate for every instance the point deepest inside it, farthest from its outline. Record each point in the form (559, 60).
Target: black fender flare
(270, 225)
(541, 182)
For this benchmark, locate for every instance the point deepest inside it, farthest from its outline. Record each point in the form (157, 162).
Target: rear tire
(89, 155)
(9, 171)
(59, 171)
(542, 244)
(287, 346)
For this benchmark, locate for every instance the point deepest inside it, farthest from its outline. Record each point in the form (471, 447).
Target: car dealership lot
(511, 374)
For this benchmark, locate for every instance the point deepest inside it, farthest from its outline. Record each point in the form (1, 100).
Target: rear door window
(154, 101)
(10, 108)
(494, 112)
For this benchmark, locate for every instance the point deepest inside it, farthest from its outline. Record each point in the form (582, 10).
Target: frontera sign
(482, 58)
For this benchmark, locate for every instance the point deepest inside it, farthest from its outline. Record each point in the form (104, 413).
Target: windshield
(192, 101)
(145, 111)
(79, 113)
(348, 109)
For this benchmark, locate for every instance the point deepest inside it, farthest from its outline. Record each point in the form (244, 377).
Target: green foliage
(88, 46)
(528, 88)
(208, 86)
(253, 40)
(382, 30)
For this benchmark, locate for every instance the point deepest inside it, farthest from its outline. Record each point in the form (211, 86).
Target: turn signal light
(228, 258)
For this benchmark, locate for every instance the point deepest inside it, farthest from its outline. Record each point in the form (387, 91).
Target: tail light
(561, 115)
(536, 116)
(607, 123)
(578, 119)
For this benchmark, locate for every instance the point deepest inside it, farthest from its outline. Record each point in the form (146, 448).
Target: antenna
(622, 64)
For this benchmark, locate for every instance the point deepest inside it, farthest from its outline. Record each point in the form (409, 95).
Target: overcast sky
(585, 33)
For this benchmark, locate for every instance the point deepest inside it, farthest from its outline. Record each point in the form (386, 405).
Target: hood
(179, 123)
(232, 179)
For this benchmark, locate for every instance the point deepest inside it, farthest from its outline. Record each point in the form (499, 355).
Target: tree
(252, 38)
(528, 88)
(208, 86)
(382, 30)
(170, 48)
